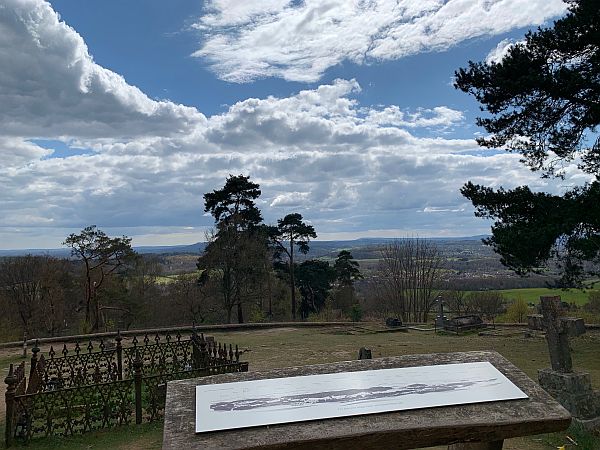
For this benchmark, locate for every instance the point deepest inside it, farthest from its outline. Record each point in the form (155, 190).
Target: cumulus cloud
(298, 41)
(346, 166)
(328, 116)
(497, 53)
(18, 152)
(50, 86)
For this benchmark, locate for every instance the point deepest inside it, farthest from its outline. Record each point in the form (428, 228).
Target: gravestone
(364, 353)
(573, 389)
(464, 323)
(393, 322)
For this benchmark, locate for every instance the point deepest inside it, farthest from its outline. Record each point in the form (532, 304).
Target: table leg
(495, 445)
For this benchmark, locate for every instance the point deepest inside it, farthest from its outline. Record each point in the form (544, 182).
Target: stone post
(137, 377)
(364, 353)
(9, 396)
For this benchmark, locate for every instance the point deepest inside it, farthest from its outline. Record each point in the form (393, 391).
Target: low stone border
(231, 327)
(199, 328)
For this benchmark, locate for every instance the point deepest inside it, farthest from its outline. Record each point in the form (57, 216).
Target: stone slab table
(480, 426)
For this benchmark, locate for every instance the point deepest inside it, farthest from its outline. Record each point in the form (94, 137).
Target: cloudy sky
(123, 114)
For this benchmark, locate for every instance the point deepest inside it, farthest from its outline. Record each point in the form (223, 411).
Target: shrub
(356, 313)
(517, 311)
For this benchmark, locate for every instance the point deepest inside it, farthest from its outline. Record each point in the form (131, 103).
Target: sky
(123, 114)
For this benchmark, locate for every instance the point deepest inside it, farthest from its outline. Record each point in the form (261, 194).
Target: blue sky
(122, 114)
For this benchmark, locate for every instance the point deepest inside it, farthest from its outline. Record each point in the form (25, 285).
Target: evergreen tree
(543, 100)
(234, 254)
(346, 269)
(314, 279)
(291, 232)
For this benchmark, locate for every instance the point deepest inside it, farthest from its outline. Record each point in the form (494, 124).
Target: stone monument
(573, 389)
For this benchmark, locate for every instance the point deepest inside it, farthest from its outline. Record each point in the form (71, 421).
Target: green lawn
(577, 296)
(132, 437)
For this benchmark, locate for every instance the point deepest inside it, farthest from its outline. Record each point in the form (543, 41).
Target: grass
(532, 295)
(131, 437)
(267, 349)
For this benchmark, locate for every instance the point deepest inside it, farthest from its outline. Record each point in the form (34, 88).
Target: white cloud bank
(50, 85)
(299, 40)
(346, 167)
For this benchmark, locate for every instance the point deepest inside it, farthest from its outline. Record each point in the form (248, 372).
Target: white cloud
(345, 166)
(319, 152)
(440, 116)
(497, 53)
(298, 41)
(51, 87)
(17, 152)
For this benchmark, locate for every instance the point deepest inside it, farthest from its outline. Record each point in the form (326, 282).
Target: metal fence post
(24, 344)
(137, 377)
(10, 381)
(34, 358)
(119, 355)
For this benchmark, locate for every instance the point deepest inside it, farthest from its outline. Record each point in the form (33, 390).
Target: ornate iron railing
(86, 390)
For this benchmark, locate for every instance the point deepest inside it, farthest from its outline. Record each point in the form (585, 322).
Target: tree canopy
(289, 233)
(346, 268)
(102, 257)
(543, 101)
(233, 204)
(236, 253)
(314, 281)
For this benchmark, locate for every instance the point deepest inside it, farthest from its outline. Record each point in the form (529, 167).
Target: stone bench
(481, 426)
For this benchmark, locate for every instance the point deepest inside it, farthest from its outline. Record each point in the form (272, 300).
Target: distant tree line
(248, 271)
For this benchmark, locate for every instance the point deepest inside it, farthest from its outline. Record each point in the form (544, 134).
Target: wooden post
(9, 396)
(119, 355)
(137, 376)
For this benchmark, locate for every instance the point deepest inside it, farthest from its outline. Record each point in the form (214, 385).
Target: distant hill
(317, 248)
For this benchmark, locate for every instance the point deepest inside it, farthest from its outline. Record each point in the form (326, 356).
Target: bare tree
(455, 299)
(408, 272)
(33, 286)
(487, 303)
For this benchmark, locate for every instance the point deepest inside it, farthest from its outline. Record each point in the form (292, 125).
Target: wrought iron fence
(94, 388)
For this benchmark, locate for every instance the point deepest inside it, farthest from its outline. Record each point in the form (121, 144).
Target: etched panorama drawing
(283, 400)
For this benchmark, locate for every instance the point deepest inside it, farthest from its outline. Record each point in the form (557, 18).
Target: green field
(532, 295)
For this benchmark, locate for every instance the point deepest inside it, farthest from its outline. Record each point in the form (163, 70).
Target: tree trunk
(292, 281)
(240, 312)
